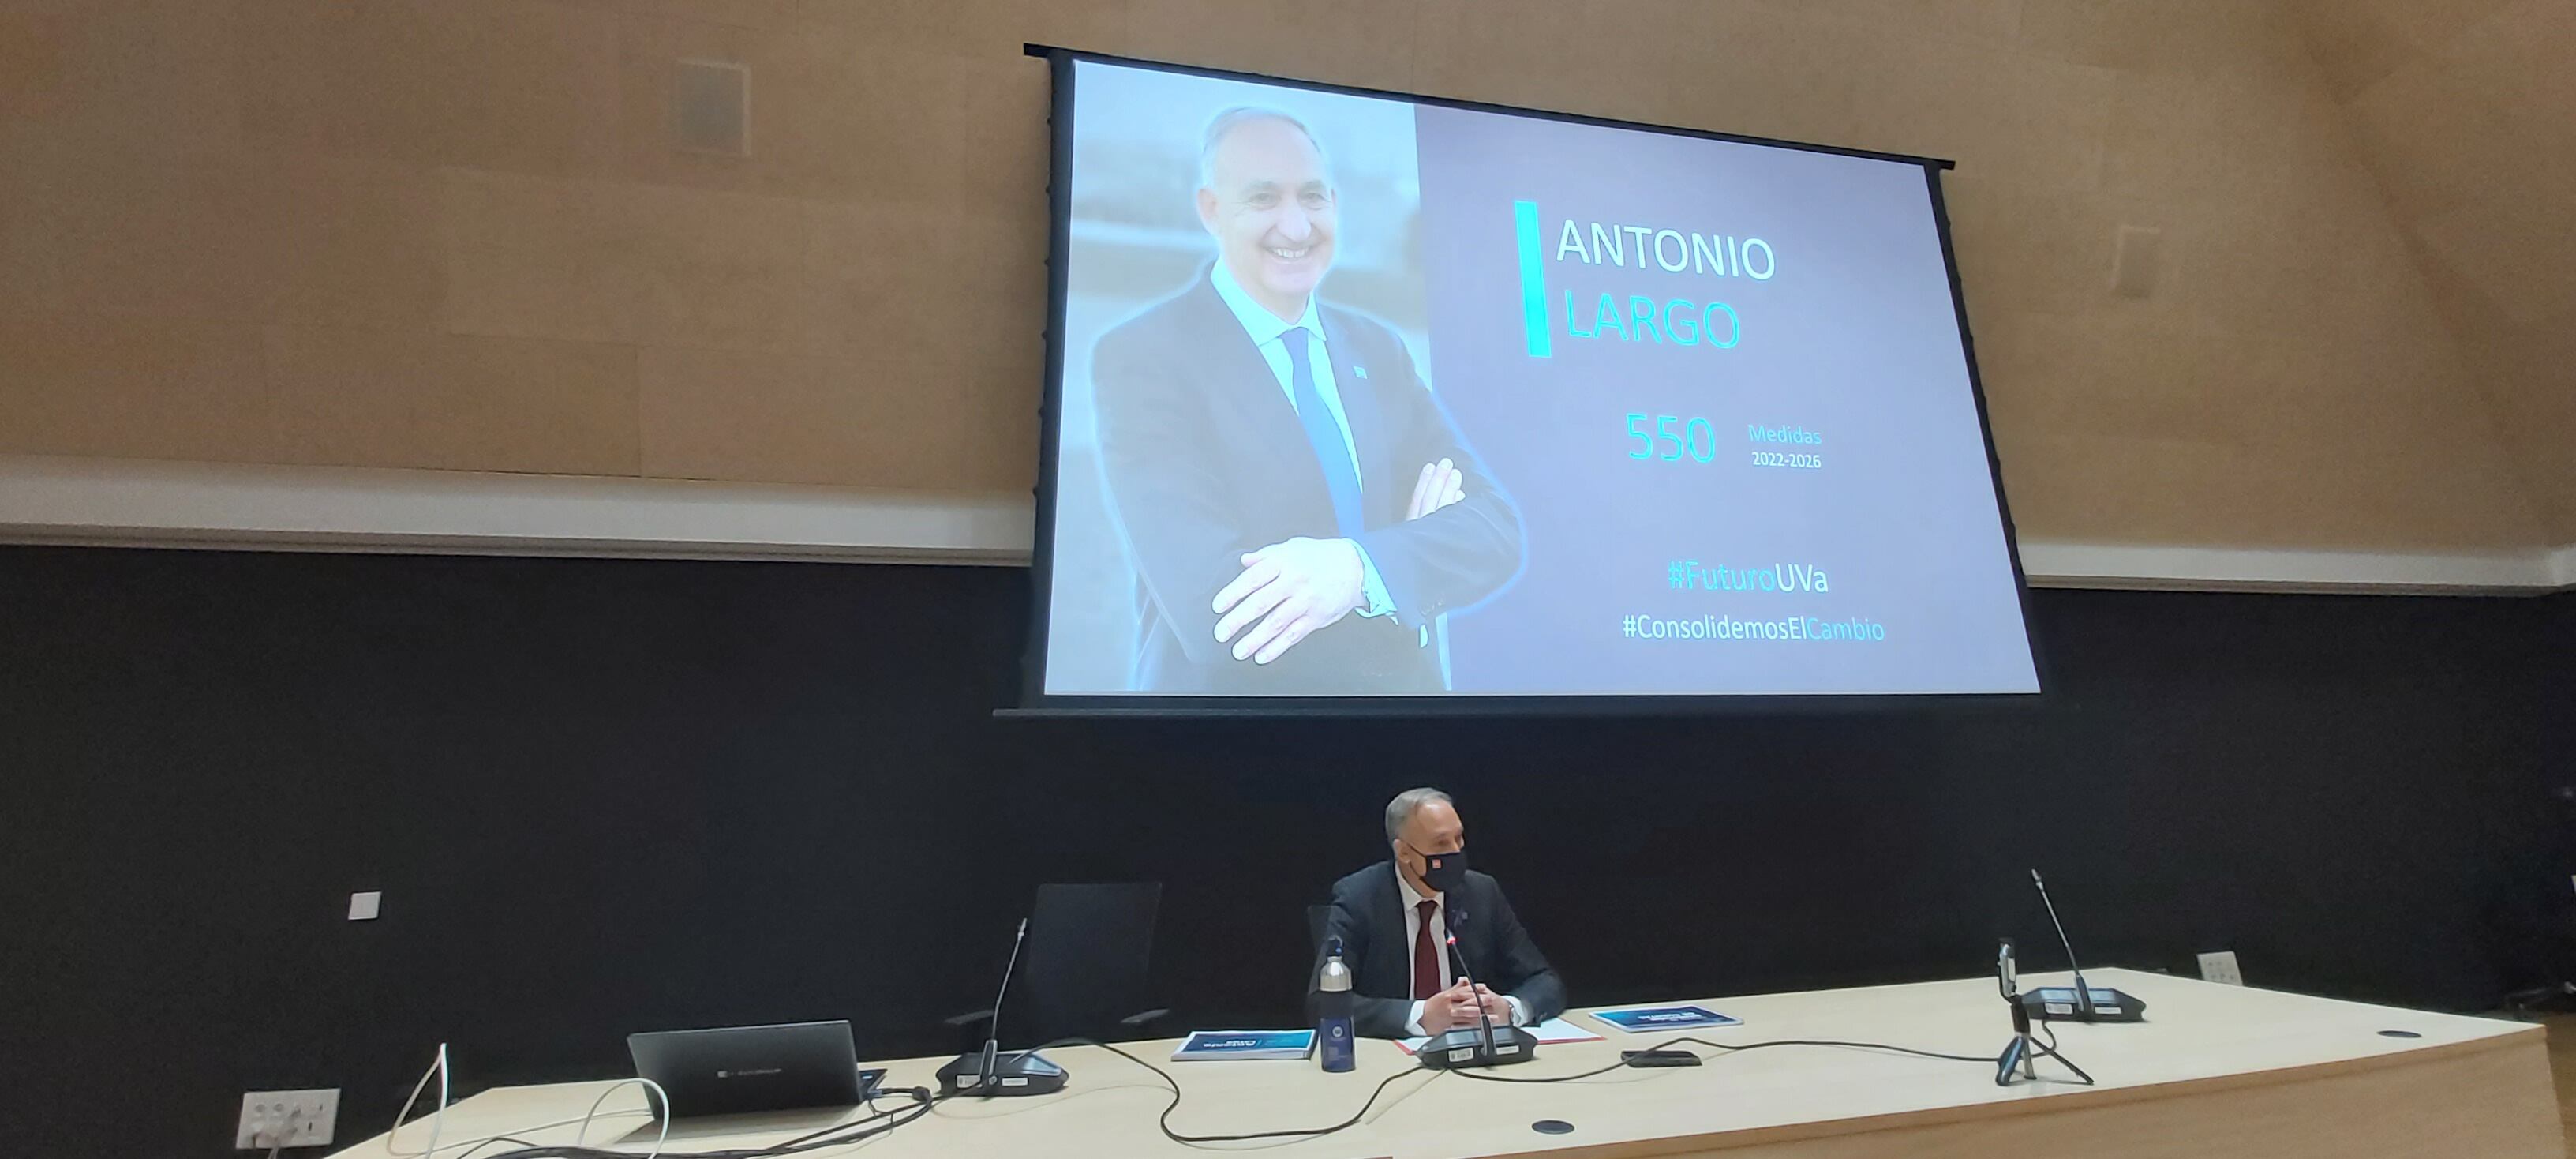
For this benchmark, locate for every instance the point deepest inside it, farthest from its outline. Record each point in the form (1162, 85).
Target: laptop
(735, 1070)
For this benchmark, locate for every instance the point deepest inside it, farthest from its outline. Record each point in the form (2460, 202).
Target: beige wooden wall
(2466, 110)
(455, 233)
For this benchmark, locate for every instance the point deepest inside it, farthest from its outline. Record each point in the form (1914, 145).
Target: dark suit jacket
(1204, 460)
(1371, 919)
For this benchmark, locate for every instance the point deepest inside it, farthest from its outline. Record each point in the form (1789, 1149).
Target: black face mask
(1443, 872)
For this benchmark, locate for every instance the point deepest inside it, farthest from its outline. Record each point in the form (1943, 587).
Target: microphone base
(2058, 1004)
(1466, 1046)
(2017, 1062)
(1019, 1072)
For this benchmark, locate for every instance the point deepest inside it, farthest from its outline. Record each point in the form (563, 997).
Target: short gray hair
(1401, 809)
(1227, 121)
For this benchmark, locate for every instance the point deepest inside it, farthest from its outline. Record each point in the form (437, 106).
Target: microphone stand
(2087, 1004)
(989, 1072)
(1468, 975)
(2083, 993)
(985, 1072)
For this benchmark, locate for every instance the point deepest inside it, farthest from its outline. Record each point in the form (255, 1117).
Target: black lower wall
(604, 796)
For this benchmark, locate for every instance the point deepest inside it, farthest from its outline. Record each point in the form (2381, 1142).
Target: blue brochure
(1658, 1019)
(1207, 1044)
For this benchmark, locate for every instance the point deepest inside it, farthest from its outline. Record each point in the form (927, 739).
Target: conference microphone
(2083, 999)
(1459, 919)
(993, 1025)
(1464, 1046)
(989, 1072)
(2083, 1003)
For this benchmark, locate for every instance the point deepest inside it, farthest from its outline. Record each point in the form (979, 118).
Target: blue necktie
(1331, 452)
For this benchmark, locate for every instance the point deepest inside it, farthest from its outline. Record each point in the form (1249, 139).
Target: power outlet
(286, 1119)
(2220, 967)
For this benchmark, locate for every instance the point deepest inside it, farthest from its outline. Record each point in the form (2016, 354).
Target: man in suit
(1296, 504)
(1395, 920)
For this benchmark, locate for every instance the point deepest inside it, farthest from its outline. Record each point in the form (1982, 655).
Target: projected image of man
(1297, 505)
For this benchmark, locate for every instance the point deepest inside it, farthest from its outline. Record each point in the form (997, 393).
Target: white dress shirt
(1413, 900)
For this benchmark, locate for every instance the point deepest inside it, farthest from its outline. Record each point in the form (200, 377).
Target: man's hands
(1440, 485)
(1287, 590)
(1458, 1006)
(1293, 589)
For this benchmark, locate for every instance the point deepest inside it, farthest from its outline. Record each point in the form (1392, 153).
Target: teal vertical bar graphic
(1533, 282)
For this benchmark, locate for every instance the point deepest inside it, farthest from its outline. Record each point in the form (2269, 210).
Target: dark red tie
(1426, 955)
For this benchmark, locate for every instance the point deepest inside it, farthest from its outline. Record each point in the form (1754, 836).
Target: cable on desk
(838, 1135)
(439, 1067)
(1731, 1048)
(882, 1122)
(661, 1099)
(469, 1152)
(1983, 1060)
(472, 1146)
(1164, 1120)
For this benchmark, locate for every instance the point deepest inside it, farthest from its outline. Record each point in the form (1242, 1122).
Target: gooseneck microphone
(2083, 993)
(1458, 920)
(993, 1027)
(2049, 1002)
(989, 1072)
(1465, 1045)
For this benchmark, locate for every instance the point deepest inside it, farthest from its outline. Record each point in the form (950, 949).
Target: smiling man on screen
(1296, 504)
(1397, 918)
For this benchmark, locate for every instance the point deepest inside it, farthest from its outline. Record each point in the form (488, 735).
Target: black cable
(922, 1101)
(1164, 1120)
(469, 1152)
(1482, 1077)
(843, 1134)
(1986, 1060)
(1727, 1047)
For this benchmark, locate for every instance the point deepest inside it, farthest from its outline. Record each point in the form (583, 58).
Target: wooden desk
(2219, 1071)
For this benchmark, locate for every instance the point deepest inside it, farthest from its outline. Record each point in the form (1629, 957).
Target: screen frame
(1037, 702)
